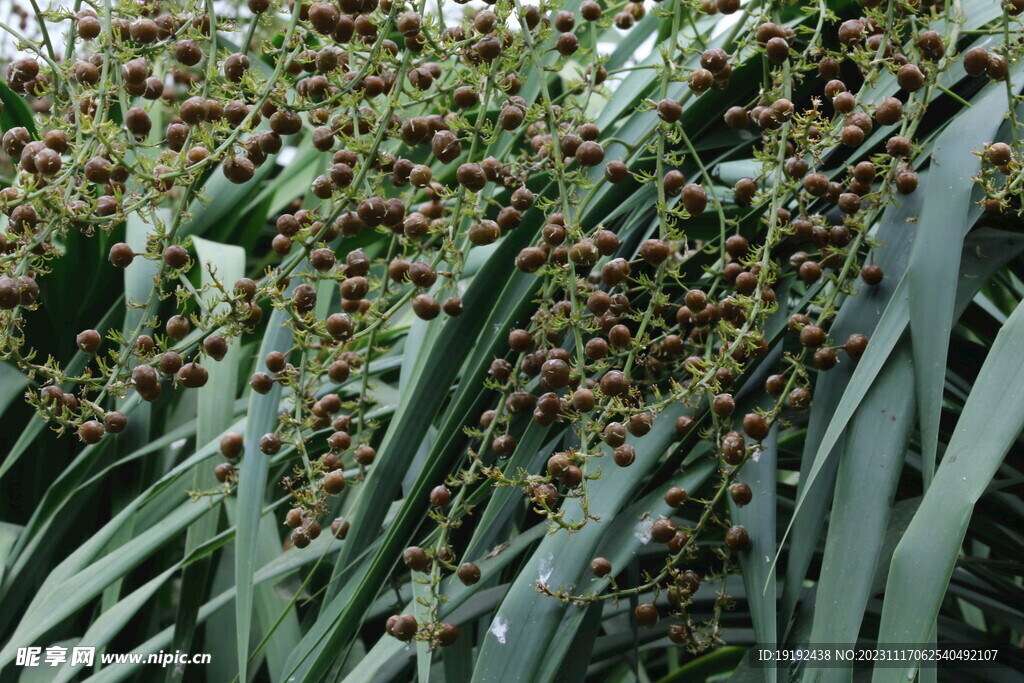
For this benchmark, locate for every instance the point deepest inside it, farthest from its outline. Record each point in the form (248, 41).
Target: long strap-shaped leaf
(215, 413)
(868, 474)
(924, 560)
(984, 252)
(933, 260)
(527, 622)
(860, 314)
(262, 418)
(759, 519)
(620, 546)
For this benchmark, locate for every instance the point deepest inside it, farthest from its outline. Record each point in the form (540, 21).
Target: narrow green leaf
(758, 517)
(8, 535)
(281, 566)
(16, 111)
(526, 624)
(944, 220)
(924, 560)
(54, 606)
(860, 314)
(985, 251)
(262, 418)
(224, 264)
(868, 474)
(108, 624)
(12, 382)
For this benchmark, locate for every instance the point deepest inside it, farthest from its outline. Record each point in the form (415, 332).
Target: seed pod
(740, 493)
(235, 67)
(723, 405)
(231, 445)
(440, 496)
(270, 443)
(144, 30)
(777, 50)
(733, 448)
(339, 528)
(294, 518)
(906, 182)
(910, 78)
(889, 111)
(239, 169)
(646, 614)
(88, 27)
(416, 559)
(324, 17)
(676, 497)
(471, 177)
(285, 122)
(737, 118)
(931, 45)
(744, 191)
(215, 346)
(898, 146)
(694, 199)
(426, 307)
(468, 573)
(339, 326)
(402, 627)
(825, 358)
(799, 398)
(755, 426)
(365, 455)
(737, 538)
(624, 455)
(662, 531)
(997, 67)
(812, 336)
(855, 346)
(589, 154)
(871, 274)
(445, 146)
(600, 567)
(88, 341)
(175, 257)
(192, 376)
(669, 110)
(188, 52)
(567, 44)
(851, 32)
(121, 255)
(1000, 154)
(333, 483)
(90, 432)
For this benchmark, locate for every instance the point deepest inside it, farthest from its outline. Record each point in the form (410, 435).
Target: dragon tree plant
(387, 340)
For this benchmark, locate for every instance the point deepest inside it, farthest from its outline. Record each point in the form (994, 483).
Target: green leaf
(12, 382)
(758, 517)
(16, 111)
(985, 251)
(52, 607)
(860, 314)
(225, 264)
(869, 471)
(944, 220)
(991, 421)
(526, 624)
(262, 418)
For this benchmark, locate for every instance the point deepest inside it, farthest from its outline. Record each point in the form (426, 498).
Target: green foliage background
(890, 511)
